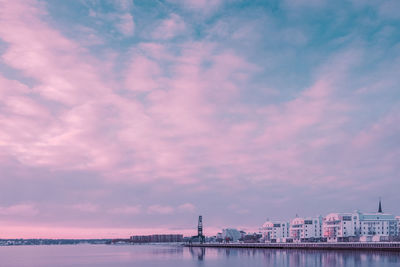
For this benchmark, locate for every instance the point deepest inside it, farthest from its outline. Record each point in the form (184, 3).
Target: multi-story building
(398, 225)
(339, 227)
(306, 229)
(335, 227)
(275, 231)
(380, 224)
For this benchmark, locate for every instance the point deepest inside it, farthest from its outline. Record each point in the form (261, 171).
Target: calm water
(138, 255)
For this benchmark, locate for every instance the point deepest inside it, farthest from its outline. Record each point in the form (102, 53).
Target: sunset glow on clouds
(125, 116)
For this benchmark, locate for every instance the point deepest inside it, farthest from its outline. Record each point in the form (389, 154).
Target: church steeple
(380, 206)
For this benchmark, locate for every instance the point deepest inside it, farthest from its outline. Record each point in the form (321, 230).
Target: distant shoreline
(45, 241)
(51, 242)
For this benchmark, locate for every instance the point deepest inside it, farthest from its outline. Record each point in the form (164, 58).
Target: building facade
(306, 229)
(335, 227)
(341, 226)
(358, 226)
(379, 224)
(275, 231)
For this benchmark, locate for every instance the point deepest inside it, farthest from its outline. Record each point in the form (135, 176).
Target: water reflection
(311, 258)
(171, 256)
(198, 253)
(328, 258)
(166, 250)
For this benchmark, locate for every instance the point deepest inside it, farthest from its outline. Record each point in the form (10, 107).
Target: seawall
(375, 246)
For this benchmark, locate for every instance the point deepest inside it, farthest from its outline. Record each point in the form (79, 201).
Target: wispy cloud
(126, 25)
(160, 209)
(85, 207)
(202, 6)
(169, 28)
(127, 210)
(120, 16)
(19, 210)
(187, 207)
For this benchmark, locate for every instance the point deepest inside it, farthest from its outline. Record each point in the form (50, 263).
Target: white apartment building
(341, 226)
(335, 227)
(381, 224)
(306, 229)
(275, 231)
(366, 226)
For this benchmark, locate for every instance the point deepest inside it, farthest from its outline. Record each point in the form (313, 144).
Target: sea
(173, 256)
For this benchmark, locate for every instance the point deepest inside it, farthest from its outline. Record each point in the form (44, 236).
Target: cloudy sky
(128, 117)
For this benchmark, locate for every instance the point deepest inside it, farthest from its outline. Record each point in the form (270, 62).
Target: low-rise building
(341, 226)
(277, 231)
(335, 227)
(381, 224)
(168, 238)
(306, 229)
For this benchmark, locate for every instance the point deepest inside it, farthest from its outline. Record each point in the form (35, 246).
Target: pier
(375, 246)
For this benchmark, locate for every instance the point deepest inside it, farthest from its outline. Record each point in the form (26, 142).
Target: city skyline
(132, 117)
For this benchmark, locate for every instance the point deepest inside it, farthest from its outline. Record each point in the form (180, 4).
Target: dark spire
(380, 206)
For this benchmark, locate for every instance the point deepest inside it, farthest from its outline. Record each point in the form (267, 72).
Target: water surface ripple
(168, 256)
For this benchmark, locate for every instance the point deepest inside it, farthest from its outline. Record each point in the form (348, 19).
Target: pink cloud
(44, 54)
(25, 106)
(187, 207)
(160, 209)
(12, 87)
(19, 210)
(176, 132)
(127, 210)
(142, 74)
(155, 51)
(86, 207)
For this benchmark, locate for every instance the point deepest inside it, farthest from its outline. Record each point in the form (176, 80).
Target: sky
(134, 117)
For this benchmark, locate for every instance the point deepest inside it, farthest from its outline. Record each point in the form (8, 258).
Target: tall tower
(380, 206)
(200, 230)
(200, 226)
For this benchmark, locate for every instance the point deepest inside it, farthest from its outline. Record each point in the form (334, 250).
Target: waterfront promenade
(380, 246)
